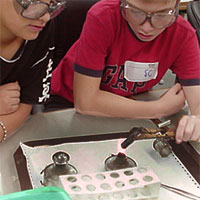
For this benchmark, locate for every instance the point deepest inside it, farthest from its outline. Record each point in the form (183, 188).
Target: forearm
(89, 99)
(193, 98)
(195, 111)
(112, 105)
(15, 120)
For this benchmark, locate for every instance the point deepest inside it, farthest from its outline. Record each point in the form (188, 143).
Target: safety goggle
(157, 19)
(34, 9)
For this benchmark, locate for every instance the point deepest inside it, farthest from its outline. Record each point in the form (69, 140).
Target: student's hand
(188, 129)
(9, 98)
(172, 100)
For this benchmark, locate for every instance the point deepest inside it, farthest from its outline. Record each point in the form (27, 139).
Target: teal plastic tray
(44, 193)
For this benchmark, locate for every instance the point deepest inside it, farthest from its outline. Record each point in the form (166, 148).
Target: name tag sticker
(140, 72)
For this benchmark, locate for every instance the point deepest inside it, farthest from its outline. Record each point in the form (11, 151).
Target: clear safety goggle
(158, 19)
(34, 9)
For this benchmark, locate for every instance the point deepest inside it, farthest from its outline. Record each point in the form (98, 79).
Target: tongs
(140, 133)
(181, 192)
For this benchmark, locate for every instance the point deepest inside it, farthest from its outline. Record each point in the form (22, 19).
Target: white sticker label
(140, 72)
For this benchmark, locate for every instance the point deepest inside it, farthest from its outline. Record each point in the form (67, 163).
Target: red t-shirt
(107, 42)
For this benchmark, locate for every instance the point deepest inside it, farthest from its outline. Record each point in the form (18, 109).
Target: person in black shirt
(26, 58)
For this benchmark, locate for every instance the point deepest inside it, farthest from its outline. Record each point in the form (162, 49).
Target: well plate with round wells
(130, 183)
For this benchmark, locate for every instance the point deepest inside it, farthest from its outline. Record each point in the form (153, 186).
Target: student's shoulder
(105, 6)
(184, 26)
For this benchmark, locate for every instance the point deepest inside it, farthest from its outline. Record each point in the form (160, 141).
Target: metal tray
(188, 157)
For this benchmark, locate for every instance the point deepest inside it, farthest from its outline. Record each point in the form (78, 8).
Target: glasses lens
(56, 10)
(161, 20)
(137, 16)
(158, 20)
(35, 10)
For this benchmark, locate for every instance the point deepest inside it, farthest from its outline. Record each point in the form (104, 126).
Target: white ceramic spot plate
(131, 183)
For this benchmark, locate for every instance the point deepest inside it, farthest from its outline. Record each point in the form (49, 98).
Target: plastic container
(44, 193)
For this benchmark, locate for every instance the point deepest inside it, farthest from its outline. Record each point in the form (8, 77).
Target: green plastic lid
(43, 193)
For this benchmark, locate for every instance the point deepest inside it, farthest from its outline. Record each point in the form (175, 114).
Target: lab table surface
(64, 124)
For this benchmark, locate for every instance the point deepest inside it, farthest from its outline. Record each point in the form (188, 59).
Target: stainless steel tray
(89, 156)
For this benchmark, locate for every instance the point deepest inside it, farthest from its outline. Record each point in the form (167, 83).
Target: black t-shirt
(31, 66)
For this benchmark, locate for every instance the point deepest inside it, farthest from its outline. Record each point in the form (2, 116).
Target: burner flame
(119, 148)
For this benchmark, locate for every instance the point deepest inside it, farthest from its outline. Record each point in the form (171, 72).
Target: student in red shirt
(125, 48)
